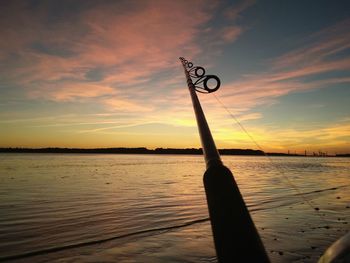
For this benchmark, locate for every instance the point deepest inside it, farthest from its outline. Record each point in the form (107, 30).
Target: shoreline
(144, 150)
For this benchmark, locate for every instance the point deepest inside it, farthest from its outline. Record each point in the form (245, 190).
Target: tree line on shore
(144, 150)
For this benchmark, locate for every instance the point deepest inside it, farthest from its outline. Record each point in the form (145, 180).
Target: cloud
(235, 11)
(292, 72)
(231, 33)
(70, 91)
(302, 69)
(124, 43)
(116, 103)
(75, 52)
(318, 47)
(332, 137)
(233, 30)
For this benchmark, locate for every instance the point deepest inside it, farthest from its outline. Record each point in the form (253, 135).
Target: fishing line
(291, 184)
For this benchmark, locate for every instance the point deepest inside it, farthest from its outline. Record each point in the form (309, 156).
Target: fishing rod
(236, 238)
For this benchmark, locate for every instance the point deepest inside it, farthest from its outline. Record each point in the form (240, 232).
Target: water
(152, 208)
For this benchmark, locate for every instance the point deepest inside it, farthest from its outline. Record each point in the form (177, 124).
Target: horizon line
(158, 150)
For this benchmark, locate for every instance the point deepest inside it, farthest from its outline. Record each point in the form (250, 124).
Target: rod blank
(235, 236)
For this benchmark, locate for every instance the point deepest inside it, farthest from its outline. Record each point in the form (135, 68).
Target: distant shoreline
(144, 150)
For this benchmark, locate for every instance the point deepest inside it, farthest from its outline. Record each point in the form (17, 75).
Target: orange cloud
(116, 103)
(70, 91)
(333, 137)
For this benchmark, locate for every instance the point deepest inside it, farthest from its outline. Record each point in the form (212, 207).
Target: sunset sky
(107, 74)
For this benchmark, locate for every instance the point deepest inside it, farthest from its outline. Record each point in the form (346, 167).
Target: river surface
(152, 208)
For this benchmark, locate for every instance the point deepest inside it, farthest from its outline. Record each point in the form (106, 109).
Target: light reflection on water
(52, 202)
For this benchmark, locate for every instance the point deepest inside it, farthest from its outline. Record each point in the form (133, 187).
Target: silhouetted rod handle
(235, 236)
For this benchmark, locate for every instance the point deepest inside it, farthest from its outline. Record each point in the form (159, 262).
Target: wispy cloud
(299, 70)
(113, 49)
(118, 104)
(318, 47)
(114, 45)
(331, 137)
(290, 72)
(236, 10)
(231, 33)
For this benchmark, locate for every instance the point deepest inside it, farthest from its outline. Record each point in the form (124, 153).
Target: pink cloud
(129, 43)
(231, 33)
